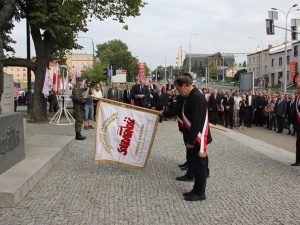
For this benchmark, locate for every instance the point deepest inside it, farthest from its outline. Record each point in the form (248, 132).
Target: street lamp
(166, 60)
(285, 45)
(190, 61)
(93, 47)
(261, 57)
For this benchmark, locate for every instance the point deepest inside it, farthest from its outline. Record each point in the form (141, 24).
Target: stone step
(42, 152)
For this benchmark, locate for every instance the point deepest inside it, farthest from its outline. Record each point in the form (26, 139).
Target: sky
(164, 25)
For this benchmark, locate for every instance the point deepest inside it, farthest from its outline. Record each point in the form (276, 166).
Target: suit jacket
(290, 108)
(280, 108)
(230, 103)
(252, 103)
(213, 102)
(295, 120)
(159, 101)
(115, 95)
(259, 101)
(104, 91)
(167, 86)
(195, 115)
(137, 90)
(127, 98)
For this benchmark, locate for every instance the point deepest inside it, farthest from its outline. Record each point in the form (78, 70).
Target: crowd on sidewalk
(261, 108)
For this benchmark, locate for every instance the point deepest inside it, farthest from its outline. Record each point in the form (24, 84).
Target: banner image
(293, 69)
(124, 134)
(230, 73)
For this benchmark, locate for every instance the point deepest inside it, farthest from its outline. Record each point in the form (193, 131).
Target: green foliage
(116, 54)
(213, 72)
(95, 73)
(237, 75)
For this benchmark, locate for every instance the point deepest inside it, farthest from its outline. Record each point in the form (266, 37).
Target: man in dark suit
(228, 104)
(279, 112)
(213, 107)
(259, 105)
(127, 95)
(140, 94)
(289, 112)
(250, 102)
(159, 101)
(295, 125)
(114, 93)
(169, 85)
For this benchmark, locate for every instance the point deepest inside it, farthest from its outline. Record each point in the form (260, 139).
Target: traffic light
(270, 27)
(294, 33)
(114, 72)
(106, 73)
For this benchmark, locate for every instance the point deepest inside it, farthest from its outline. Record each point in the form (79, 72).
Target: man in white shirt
(236, 108)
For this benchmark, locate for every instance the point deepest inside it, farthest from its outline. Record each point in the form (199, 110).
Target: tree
(5, 15)
(54, 25)
(244, 64)
(237, 74)
(95, 73)
(195, 68)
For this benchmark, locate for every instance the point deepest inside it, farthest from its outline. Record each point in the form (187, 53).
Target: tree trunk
(1, 71)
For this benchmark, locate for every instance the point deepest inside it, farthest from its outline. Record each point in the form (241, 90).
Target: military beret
(79, 78)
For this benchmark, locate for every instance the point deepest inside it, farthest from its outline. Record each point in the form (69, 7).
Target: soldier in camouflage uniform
(78, 106)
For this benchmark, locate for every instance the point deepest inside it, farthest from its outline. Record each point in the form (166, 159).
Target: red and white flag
(124, 136)
(56, 80)
(67, 88)
(77, 73)
(47, 83)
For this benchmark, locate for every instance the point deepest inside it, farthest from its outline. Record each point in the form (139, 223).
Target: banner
(124, 135)
(47, 83)
(293, 69)
(141, 67)
(230, 73)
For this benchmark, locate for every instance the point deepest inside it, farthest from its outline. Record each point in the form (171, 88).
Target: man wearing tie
(159, 100)
(279, 112)
(228, 104)
(140, 94)
(127, 94)
(295, 125)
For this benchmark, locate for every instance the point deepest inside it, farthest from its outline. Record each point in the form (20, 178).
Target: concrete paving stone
(246, 186)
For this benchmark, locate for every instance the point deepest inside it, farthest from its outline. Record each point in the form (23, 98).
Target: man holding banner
(196, 134)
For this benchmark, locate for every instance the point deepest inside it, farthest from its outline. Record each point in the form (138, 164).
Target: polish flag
(47, 82)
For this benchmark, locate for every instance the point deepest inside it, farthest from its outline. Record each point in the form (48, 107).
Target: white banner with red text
(124, 134)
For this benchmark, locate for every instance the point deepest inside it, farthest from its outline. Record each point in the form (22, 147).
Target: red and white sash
(180, 122)
(297, 110)
(202, 136)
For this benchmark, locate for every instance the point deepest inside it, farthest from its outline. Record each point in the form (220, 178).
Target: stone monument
(11, 130)
(7, 101)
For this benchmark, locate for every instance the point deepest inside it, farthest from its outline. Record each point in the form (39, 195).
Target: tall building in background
(179, 57)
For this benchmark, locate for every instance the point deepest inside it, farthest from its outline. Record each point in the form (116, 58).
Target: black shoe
(86, 127)
(270, 129)
(185, 168)
(207, 176)
(195, 197)
(165, 119)
(295, 164)
(185, 194)
(79, 136)
(183, 165)
(91, 127)
(279, 132)
(185, 178)
(231, 127)
(293, 134)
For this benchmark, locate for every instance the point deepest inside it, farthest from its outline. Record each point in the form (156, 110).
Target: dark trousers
(267, 119)
(15, 106)
(199, 166)
(243, 117)
(213, 116)
(250, 117)
(228, 118)
(298, 147)
(259, 117)
(191, 170)
(279, 119)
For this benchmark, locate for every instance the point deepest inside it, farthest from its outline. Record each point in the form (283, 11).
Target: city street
(248, 185)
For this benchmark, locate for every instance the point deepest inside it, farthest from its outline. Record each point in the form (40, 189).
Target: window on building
(11, 69)
(295, 50)
(288, 59)
(280, 61)
(287, 75)
(272, 63)
(249, 60)
(24, 69)
(253, 59)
